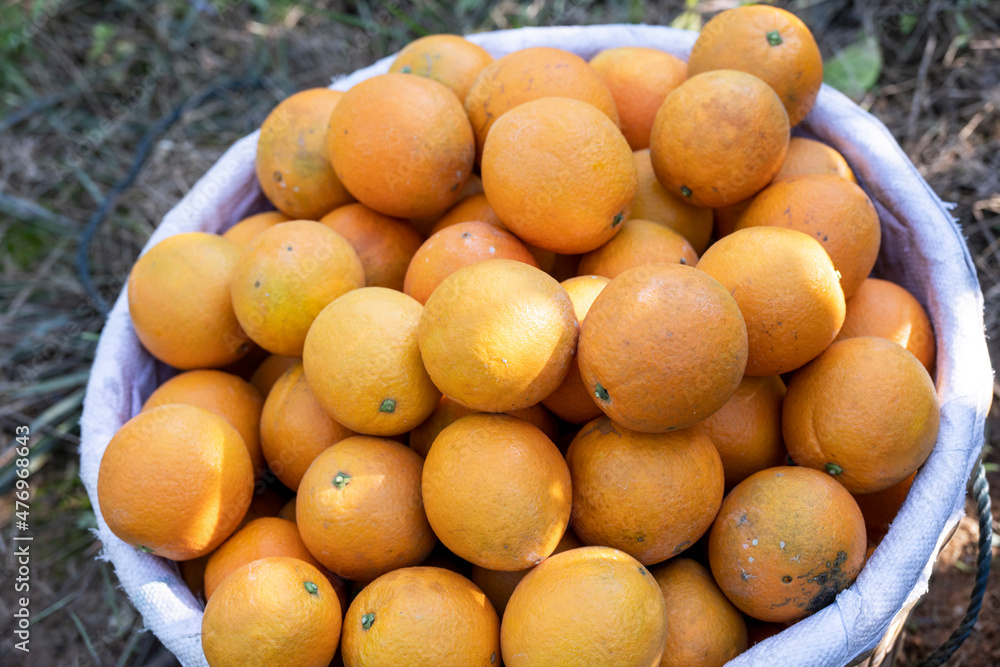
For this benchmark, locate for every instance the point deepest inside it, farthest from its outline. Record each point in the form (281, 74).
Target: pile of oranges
(537, 362)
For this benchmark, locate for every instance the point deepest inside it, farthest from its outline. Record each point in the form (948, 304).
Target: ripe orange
(175, 481)
(559, 174)
(880, 508)
(402, 145)
(178, 297)
(662, 325)
(293, 167)
(787, 290)
(807, 156)
(294, 428)
(704, 629)
(639, 80)
(623, 480)
(653, 202)
(276, 611)
(247, 228)
(832, 210)
(497, 335)
(497, 491)
(359, 508)
(471, 209)
(448, 59)
(587, 606)
(639, 242)
(786, 541)
(865, 411)
(421, 616)
(424, 224)
(286, 276)
(884, 309)
(719, 138)
(767, 42)
(270, 370)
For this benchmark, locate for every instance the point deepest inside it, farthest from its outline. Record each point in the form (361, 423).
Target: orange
(286, 276)
(653, 202)
(639, 242)
(704, 629)
(787, 290)
(497, 335)
(497, 491)
(276, 611)
(293, 167)
(270, 370)
(175, 481)
(247, 228)
(385, 245)
(424, 224)
(786, 541)
(832, 210)
(363, 362)
(531, 74)
(767, 42)
(571, 400)
(884, 309)
(587, 606)
(261, 538)
(359, 508)
(559, 174)
(807, 156)
(421, 616)
(623, 480)
(865, 411)
(267, 502)
(719, 138)
(294, 428)
(727, 217)
(178, 297)
(662, 325)
(746, 431)
(402, 145)
(639, 80)
(235, 400)
(448, 59)
(471, 209)
(456, 246)
(880, 508)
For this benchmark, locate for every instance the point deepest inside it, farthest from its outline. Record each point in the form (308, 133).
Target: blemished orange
(623, 480)
(559, 174)
(261, 538)
(421, 616)
(232, 398)
(402, 145)
(178, 298)
(175, 481)
(359, 508)
(639, 242)
(276, 611)
(726, 217)
(294, 428)
(293, 167)
(247, 228)
(448, 59)
(882, 308)
(865, 411)
(456, 246)
(719, 138)
(530, 74)
(385, 245)
(880, 508)
(787, 290)
(497, 491)
(704, 629)
(769, 43)
(662, 325)
(653, 202)
(808, 156)
(471, 209)
(286, 276)
(746, 431)
(498, 335)
(639, 79)
(587, 606)
(272, 368)
(832, 210)
(363, 364)
(787, 540)
(571, 400)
